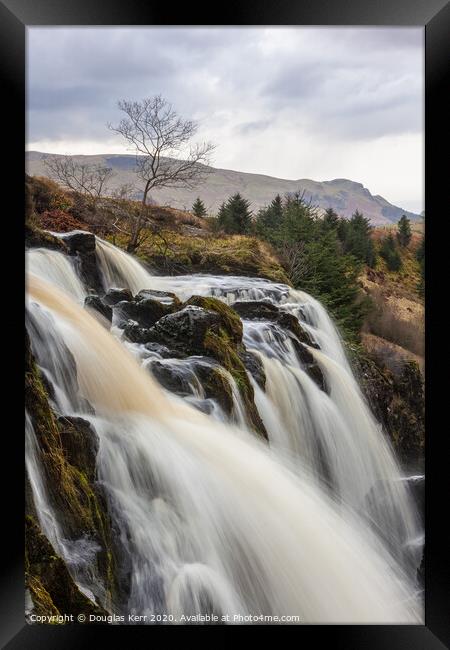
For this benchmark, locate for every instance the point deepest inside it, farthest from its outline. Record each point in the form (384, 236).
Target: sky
(306, 102)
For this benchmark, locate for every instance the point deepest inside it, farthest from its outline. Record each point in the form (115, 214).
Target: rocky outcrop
(37, 238)
(397, 401)
(67, 447)
(204, 326)
(265, 310)
(97, 304)
(50, 585)
(81, 244)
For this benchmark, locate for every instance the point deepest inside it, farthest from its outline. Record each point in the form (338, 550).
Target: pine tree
(330, 219)
(198, 209)
(235, 216)
(404, 231)
(390, 254)
(357, 239)
(269, 218)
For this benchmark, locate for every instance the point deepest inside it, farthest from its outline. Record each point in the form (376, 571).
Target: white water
(212, 519)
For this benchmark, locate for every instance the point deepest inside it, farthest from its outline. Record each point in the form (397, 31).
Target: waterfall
(316, 524)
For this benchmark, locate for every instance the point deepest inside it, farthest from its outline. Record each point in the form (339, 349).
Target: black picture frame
(434, 15)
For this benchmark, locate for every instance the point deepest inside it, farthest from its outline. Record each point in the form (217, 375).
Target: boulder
(254, 366)
(146, 312)
(81, 244)
(164, 297)
(79, 241)
(265, 310)
(95, 302)
(186, 330)
(171, 377)
(114, 295)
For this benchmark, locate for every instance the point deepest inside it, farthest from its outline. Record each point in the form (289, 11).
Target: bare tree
(165, 156)
(293, 258)
(90, 180)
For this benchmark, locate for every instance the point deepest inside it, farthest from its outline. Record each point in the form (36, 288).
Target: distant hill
(343, 195)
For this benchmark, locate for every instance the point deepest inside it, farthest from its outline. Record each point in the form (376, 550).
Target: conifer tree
(198, 209)
(404, 231)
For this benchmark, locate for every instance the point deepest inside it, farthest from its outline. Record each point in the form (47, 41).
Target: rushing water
(317, 523)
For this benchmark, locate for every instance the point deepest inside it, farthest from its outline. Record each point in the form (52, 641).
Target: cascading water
(316, 524)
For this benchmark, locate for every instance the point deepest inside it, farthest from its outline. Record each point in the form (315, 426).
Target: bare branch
(161, 141)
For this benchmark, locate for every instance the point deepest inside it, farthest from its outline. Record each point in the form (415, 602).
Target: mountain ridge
(342, 194)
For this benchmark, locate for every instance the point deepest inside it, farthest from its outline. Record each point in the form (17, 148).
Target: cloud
(263, 94)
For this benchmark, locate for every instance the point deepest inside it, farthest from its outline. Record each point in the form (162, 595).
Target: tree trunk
(133, 243)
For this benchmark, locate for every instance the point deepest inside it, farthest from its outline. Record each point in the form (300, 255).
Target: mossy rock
(220, 346)
(67, 451)
(230, 320)
(37, 238)
(48, 581)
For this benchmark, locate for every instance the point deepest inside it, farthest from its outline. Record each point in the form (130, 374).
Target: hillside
(345, 196)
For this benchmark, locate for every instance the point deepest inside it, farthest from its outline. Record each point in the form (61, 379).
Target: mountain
(343, 195)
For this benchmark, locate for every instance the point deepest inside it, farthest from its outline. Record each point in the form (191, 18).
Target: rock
(397, 401)
(114, 295)
(81, 244)
(164, 297)
(96, 303)
(265, 310)
(310, 365)
(146, 312)
(67, 450)
(163, 351)
(80, 444)
(230, 321)
(256, 309)
(37, 238)
(216, 386)
(171, 377)
(136, 334)
(186, 329)
(79, 241)
(254, 365)
(52, 589)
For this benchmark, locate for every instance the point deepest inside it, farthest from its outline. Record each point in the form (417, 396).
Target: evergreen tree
(198, 209)
(235, 216)
(390, 254)
(269, 218)
(357, 239)
(404, 231)
(330, 219)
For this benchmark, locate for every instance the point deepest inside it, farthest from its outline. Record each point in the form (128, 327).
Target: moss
(74, 495)
(231, 320)
(37, 238)
(51, 587)
(222, 348)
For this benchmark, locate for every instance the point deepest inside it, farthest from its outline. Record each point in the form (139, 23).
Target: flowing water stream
(317, 524)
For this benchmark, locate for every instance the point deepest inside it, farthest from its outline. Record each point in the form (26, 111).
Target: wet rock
(216, 386)
(37, 238)
(265, 310)
(230, 321)
(136, 334)
(51, 587)
(254, 366)
(114, 295)
(163, 351)
(310, 365)
(80, 444)
(257, 309)
(186, 329)
(171, 377)
(96, 303)
(164, 297)
(79, 241)
(146, 312)
(81, 245)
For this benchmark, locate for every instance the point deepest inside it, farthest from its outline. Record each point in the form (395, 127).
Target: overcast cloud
(295, 103)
